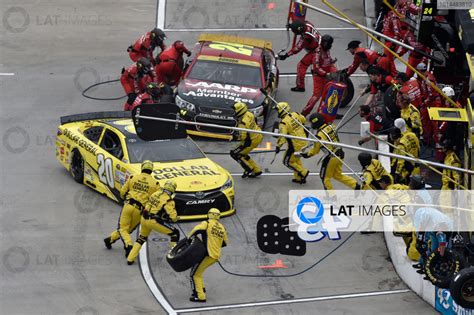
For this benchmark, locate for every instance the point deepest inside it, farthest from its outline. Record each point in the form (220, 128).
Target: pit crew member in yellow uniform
(248, 141)
(135, 192)
(331, 166)
(372, 171)
(451, 159)
(292, 124)
(214, 236)
(157, 215)
(406, 144)
(411, 115)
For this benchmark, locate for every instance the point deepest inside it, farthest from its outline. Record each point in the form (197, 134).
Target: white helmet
(400, 124)
(448, 91)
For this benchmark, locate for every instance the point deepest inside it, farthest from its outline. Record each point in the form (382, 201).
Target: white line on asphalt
(7, 73)
(289, 174)
(150, 281)
(250, 29)
(160, 14)
(293, 301)
(289, 75)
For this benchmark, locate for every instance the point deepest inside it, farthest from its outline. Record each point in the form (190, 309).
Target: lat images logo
(316, 220)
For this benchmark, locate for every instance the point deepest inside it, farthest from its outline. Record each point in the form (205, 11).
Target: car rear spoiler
(95, 116)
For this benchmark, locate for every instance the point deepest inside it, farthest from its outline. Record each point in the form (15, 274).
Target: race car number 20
(105, 170)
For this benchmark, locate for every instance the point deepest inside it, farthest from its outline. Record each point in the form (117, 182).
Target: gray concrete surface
(52, 256)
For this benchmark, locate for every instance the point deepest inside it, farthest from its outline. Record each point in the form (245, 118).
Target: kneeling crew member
(157, 215)
(406, 144)
(136, 191)
(248, 141)
(331, 166)
(292, 124)
(214, 236)
(372, 171)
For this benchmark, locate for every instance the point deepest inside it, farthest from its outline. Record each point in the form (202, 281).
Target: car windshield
(226, 73)
(162, 150)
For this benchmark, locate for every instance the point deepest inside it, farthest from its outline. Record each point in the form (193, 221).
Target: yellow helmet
(240, 109)
(147, 165)
(170, 186)
(283, 108)
(214, 214)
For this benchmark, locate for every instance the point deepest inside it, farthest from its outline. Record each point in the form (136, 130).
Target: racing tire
(440, 270)
(77, 166)
(348, 93)
(462, 288)
(187, 253)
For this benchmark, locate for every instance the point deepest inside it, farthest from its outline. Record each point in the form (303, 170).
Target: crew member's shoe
(108, 242)
(420, 271)
(303, 178)
(257, 174)
(417, 266)
(246, 174)
(130, 262)
(298, 89)
(128, 249)
(195, 299)
(339, 116)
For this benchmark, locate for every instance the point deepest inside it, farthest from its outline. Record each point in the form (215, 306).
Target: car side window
(111, 143)
(93, 133)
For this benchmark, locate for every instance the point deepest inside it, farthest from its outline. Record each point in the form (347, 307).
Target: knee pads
(234, 155)
(142, 239)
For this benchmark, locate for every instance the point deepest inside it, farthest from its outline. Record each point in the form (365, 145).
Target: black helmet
(353, 44)
(417, 182)
(298, 27)
(157, 36)
(144, 65)
(326, 41)
(154, 89)
(364, 159)
(316, 120)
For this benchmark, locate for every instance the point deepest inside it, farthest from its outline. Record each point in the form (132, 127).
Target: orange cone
(277, 265)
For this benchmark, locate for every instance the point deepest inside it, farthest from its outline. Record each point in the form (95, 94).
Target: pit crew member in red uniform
(170, 64)
(146, 44)
(135, 78)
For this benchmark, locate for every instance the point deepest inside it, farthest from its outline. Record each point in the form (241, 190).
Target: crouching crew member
(135, 192)
(372, 171)
(214, 236)
(292, 124)
(332, 163)
(248, 141)
(157, 215)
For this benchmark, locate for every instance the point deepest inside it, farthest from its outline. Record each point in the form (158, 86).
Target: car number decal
(105, 170)
(236, 48)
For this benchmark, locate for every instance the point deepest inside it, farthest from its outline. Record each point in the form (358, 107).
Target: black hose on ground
(102, 99)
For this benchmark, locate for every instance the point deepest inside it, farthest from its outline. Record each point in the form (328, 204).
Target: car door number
(105, 170)
(236, 48)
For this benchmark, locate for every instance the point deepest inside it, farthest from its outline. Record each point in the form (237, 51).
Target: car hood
(190, 175)
(218, 95)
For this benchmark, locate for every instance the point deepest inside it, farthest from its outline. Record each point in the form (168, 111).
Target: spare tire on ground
(441, 269)
(462, 288)
(187, 253)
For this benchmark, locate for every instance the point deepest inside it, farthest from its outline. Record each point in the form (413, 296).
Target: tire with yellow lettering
(441, 269)
(462, 288)
(187, 253)
(77, 166)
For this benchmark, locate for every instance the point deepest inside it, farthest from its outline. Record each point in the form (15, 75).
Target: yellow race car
(102, 150)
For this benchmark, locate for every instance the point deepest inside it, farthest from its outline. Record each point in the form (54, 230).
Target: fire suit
(170, 64)
(323, 64)
(431, 98)
(407, 145)
(291, 124)
(309, 41)
(136, 192)
(411, 115)
(391, 28)
(143, 47)
(331, 166)
(414, 58)
(451, 159)
(412, 89)
(248, 142)
(374, 58)
(372, 174)
(158, 213)
(143, 98)
(405, 8)
(214, 234)
(134, 83)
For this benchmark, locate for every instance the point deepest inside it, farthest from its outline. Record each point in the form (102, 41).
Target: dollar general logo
(333, 101)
